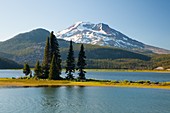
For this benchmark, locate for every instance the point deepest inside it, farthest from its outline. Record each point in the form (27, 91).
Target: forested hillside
(29, 47)
(8, 64)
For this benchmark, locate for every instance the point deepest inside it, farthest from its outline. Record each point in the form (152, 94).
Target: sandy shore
(4, 82)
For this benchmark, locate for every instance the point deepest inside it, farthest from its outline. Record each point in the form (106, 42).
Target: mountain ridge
(101, 34)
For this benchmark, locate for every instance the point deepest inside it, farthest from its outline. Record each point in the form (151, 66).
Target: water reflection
(84, 100)
(63, 99)
(50, 99)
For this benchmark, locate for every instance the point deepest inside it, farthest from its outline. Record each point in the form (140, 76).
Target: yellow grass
(6, 82)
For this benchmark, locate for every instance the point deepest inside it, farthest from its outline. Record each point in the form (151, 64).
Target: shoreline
(126, 70)
(6, 82)
(113, 70)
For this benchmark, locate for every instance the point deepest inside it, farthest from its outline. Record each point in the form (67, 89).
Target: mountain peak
(35, 35)
(103, 35)
(103, 25)
(97, 34)
(39, 30)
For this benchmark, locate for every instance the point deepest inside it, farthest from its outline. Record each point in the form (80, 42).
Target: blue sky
(147, 21)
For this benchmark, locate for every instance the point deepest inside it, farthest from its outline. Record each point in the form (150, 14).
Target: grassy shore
(7, 82)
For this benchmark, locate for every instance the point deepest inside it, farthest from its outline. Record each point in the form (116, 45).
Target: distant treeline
(154, 62)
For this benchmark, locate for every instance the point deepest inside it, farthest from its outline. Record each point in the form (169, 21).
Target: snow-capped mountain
(101, 34)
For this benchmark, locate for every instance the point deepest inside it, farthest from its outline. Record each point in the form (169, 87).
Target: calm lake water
(84, 100)
(87, 99)
(133, 76)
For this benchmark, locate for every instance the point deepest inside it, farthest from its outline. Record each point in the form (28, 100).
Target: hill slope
(8, 64)
(24, 42)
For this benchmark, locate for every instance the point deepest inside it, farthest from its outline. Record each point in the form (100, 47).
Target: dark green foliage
(94, 80)
(54, 50)
(143, 81)
(54, 70)
(161, 60)
(81, 63)
(37, 70)
(26, 69)
(53, 44)
(30, 74)
(119, 64)
(99, 52)
(46, 60)
(70, 68)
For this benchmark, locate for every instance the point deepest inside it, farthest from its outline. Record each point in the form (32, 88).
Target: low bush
(143, 81)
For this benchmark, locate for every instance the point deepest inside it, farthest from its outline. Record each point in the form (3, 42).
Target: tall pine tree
(70, 68)
(81, 63)
(37, 70)
(46, 60)
(54, 49)
(54, 70)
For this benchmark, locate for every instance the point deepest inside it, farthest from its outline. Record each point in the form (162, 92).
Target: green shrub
(13, 78)
(143, 81)
(115, 81)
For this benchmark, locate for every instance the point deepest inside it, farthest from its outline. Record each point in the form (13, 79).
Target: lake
(84, 100)
(87, 99)
(133, 76)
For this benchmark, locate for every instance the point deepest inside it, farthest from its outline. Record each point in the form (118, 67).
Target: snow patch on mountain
(98, 34)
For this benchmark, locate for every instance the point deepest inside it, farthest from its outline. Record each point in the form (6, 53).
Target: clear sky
(147, 21)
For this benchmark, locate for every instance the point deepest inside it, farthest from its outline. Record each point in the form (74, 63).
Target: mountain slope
(101, 34)
(99, 52)
(29, 47)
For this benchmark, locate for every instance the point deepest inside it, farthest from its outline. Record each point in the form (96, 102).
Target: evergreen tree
(37, 70)
(46, 60)
(70, 63)
(54, 49)
(81, 63)
(54, 70)
(30, 74)
(26, 69)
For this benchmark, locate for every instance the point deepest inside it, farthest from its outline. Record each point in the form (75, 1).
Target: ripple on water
(84, 100)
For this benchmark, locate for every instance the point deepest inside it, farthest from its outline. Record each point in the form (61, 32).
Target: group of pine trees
(51, 64)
